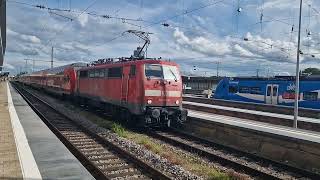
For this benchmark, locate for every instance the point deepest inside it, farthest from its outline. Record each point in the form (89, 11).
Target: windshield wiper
(175, 77)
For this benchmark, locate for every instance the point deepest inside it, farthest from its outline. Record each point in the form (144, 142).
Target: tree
(311, 71)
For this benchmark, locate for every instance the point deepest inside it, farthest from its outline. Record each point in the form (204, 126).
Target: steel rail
(199, 149)
(88, 164)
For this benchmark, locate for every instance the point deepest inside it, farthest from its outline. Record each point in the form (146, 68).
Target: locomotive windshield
(167, 72)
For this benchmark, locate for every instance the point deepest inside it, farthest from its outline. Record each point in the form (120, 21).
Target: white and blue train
(279, 90)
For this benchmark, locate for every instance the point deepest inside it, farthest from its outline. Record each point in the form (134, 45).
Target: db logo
(291, 87)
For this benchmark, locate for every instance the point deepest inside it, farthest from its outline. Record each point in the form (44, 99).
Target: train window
(132, 70)
(97, 73)
(91, 73)
(310, 96)
(255, 90)
(83, 74)
(244, 89)
(233, 89)
(115, 72)
(269, 91)
(101, 73)
(106, 72)
(275, 90)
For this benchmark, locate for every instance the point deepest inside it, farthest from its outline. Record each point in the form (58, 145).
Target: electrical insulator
(165, 24)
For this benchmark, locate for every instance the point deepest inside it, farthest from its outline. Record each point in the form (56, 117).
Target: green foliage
(118, 129)
(312, 71)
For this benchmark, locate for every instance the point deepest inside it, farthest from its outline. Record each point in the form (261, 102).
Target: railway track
(103, 159)
(252, 165)
(230, 158)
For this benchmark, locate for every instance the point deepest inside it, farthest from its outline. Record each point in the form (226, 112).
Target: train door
(125, 85)
(272, 92)
(78, 81)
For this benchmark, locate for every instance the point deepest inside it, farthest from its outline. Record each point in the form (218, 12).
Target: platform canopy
(2, 31)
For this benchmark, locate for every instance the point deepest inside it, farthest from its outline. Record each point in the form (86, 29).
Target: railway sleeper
(103, 157)
(123, 172)
(117, 167)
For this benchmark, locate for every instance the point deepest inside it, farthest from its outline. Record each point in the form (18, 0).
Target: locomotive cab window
(115, 72)
(157, 71)
(170, 72)
(153, 71)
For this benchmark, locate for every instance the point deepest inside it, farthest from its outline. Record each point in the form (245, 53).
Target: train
(278, 90)
(144, 92)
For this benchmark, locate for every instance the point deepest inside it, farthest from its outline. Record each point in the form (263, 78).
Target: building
(199, 85)
(2, 31)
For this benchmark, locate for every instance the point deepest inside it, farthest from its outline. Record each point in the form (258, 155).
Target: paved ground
(54, 160)
(9, 160)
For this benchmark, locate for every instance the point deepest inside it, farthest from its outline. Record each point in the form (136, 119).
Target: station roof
(3, 31)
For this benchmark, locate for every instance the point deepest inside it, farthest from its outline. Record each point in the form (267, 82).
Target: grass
(186, 160)
(118, 129)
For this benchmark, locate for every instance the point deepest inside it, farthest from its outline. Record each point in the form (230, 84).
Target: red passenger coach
(60, 80)
(147, 92)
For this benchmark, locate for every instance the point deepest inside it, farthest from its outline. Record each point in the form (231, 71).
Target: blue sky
(200, 33)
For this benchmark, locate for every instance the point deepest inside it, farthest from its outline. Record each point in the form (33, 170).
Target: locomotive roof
(120, 63)
(279, 78)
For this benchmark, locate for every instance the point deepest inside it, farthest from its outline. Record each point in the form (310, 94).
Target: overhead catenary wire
(183, 13)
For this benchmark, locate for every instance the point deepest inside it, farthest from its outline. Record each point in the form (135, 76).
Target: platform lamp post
(296, 100)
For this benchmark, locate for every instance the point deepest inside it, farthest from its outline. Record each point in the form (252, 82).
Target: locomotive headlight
(177, 102)
(149, 101)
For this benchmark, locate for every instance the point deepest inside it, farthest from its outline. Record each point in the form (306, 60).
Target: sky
(240, 37)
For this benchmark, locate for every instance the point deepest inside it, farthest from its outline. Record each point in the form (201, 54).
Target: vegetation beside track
(188, 161)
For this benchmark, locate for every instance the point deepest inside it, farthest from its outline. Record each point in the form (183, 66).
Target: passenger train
(147, 92)
(279, 90)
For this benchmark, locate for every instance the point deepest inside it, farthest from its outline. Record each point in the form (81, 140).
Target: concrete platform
(40, 152)
(306, 123)
(9, 159)
(294, 147)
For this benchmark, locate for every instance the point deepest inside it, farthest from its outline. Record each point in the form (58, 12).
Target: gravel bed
(268, 168)
(158, 162)
(202, 160)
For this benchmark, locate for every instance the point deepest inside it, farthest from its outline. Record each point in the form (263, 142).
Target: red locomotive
(147, 92)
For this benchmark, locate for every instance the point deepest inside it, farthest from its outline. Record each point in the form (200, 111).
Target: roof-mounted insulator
(308, 32)
(40, 6)
(165, 24)
(106, 16)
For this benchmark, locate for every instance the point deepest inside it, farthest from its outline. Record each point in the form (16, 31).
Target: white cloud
(201, 44)
(242, 51)
(83, 19)
(26, 38)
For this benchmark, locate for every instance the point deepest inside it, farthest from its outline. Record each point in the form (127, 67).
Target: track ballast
(102, 159)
